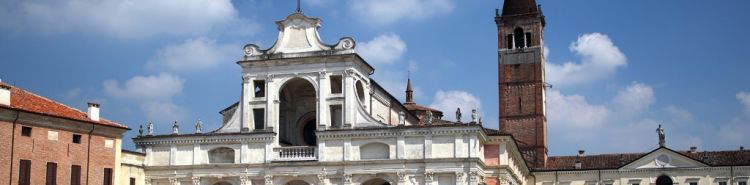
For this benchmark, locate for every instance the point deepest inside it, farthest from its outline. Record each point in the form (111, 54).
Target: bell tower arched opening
(297, 106)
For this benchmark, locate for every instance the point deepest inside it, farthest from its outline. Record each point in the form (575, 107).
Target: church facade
(309, 113)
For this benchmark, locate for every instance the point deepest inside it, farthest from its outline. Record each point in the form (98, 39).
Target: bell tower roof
(519, 7)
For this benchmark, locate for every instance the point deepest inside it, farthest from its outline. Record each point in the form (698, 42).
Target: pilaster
(246, 180)
(460, 178)
(268, 179)
(400, 148)
(323, 91)
(349, 98)
(428, 146)
(244, 106)
(429, 178)
(196, 180)
(174, 181)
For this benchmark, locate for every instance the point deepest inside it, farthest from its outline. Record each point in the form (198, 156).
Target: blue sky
(618, 68)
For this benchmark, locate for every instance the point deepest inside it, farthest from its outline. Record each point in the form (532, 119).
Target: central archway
(664, 180)
(297, 106)
(376, 181)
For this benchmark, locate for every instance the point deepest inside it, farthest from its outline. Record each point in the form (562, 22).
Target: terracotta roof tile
(30, 102)
(414, 106)
(614, 161)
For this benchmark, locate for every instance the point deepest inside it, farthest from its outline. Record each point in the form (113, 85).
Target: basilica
(310, 113)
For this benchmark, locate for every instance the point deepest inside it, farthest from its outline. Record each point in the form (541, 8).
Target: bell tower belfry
(520, 28)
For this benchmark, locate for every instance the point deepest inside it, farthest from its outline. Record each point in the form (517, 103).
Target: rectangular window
(336, 87)
(259, 87)
(24, 172)
(77, 138)
(75, 175)
(26, 131)
(509, 39)
(723, 183)
(259, 118)
(132, 181)
(693, 183)
(51, 178)
(336, 116)
(107, 176)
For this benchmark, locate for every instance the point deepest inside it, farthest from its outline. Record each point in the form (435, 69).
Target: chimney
(93, 111)
(4, 94)
(579, 162)
(693, 149)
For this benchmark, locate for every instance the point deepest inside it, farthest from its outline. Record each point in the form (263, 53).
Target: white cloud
(635, 98)
(147, 88)
(574, 110)
(744, 98)
(600, 58)
(383, 49)
(163, 112)
(381, 12)
(449, 101)
(123, 18)
(193, 54)
(735, 132)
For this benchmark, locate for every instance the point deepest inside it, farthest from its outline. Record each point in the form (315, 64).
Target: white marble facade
(310, 114)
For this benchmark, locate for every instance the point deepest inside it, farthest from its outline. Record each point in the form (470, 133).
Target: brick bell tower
(520, 29)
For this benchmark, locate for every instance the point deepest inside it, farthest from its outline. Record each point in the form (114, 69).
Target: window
(336, 116)
(75, 175)
(259, 118)
(77, 138)
(24, 172)
(336, 82)
(132, 181)
(360, 91)
(26, 131)
(509, 40)
(528, 39)
(51, 178)
(741, 183)
(107, 176)
(723, 183)
(520, 41)
(693, 183)
(259, 88)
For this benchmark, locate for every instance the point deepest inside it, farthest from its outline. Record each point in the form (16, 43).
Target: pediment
(663, 158)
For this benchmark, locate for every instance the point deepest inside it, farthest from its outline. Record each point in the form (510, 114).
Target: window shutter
(24, 173)
(75, 175)
(107, 176)
(51, 178)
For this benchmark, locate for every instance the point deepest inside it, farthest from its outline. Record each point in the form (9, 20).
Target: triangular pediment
(663, 158)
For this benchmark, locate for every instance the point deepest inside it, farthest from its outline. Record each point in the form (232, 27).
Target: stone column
(402, 178)
(348, 179)
(244, 106)
(271, 93)
(474, 178)
(349, 98)
(429, 178)
(246, 180)
(174, 181)
(268, 179)
(460, 178)
(196, 180)
(323, 91)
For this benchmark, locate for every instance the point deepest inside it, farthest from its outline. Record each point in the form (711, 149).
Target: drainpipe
(12, 146)
(88, 155)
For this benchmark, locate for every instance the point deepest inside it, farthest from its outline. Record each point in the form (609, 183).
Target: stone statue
(140, 130)
(175, 128)
(428, 119)
(458, 115)
(199, 126)
(401, 118)
(150, 127)
(662, 137)
(474, 116)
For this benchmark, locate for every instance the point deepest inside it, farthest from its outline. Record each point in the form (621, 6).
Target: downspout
(12, 146)
(88, 155)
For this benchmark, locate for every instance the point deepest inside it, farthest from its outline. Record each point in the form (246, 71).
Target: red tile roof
(26, 101)
(414, 106)
(615, 161)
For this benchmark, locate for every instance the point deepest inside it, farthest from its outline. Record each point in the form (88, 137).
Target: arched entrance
(297, 182)
(664, 180)
(376, 181)
(297, 123)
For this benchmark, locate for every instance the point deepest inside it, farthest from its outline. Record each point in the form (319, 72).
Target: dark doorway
(664, 180)
(308, 133)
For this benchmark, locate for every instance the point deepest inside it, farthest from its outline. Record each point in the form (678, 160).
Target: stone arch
(297, 107)
(387, 177)
(222, 183)
(376, 181)
(297, 182)
(664, 180)
(374, 151)
(221, 155)
(360, 90)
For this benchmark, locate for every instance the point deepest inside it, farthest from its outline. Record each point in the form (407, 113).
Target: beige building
(131, 170)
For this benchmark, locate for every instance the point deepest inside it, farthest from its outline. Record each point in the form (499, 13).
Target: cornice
(206, 139)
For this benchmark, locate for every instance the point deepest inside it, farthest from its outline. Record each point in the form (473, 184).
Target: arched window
(221, 155)
(297, 118)
(664, 180)
(373, 151)
(360, 91)
(520, 37)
